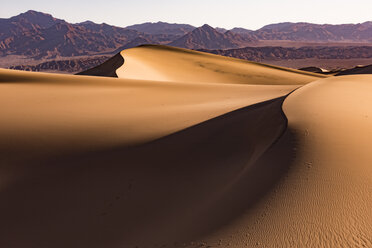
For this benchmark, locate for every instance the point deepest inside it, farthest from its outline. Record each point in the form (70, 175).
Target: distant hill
(162, 28)
(221, 30)
(38, 35)
(24, 23)
(290, 53)
(315, 32)
(241, 31)
(209, 38)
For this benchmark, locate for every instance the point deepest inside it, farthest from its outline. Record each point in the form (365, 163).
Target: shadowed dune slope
(356, 70)
(106, 69)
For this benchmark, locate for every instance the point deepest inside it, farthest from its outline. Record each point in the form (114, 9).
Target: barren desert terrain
(185, 149)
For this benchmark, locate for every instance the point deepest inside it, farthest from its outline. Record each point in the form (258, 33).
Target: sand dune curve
(47, 114)
(163, 63)
(191, 150)
(170, 64)
(324, 196)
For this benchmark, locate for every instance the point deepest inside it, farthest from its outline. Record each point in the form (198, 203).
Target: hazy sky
(227, 14)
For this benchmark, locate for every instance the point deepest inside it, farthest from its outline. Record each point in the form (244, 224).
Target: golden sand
(185, 149)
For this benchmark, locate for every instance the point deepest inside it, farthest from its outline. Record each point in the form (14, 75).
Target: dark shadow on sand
(106, 69)
(174, 189)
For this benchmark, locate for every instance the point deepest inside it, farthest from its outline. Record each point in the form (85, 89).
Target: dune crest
(162, 63)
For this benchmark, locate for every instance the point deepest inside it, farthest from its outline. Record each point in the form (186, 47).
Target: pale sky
(227, 14)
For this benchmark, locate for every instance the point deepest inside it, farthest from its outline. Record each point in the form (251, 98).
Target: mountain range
(268, 53)
(38, 35)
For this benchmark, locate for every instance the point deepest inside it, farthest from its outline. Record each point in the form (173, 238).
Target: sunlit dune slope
(324, 196)
(162, 63)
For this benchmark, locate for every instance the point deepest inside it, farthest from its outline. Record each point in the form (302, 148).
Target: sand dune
(162, 63)
(185, 149)
(90, 112)
(323, 198)
(169, 64)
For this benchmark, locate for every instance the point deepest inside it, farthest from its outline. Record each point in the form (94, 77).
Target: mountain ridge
(208, 37)
(39, 35)
(162, 28)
